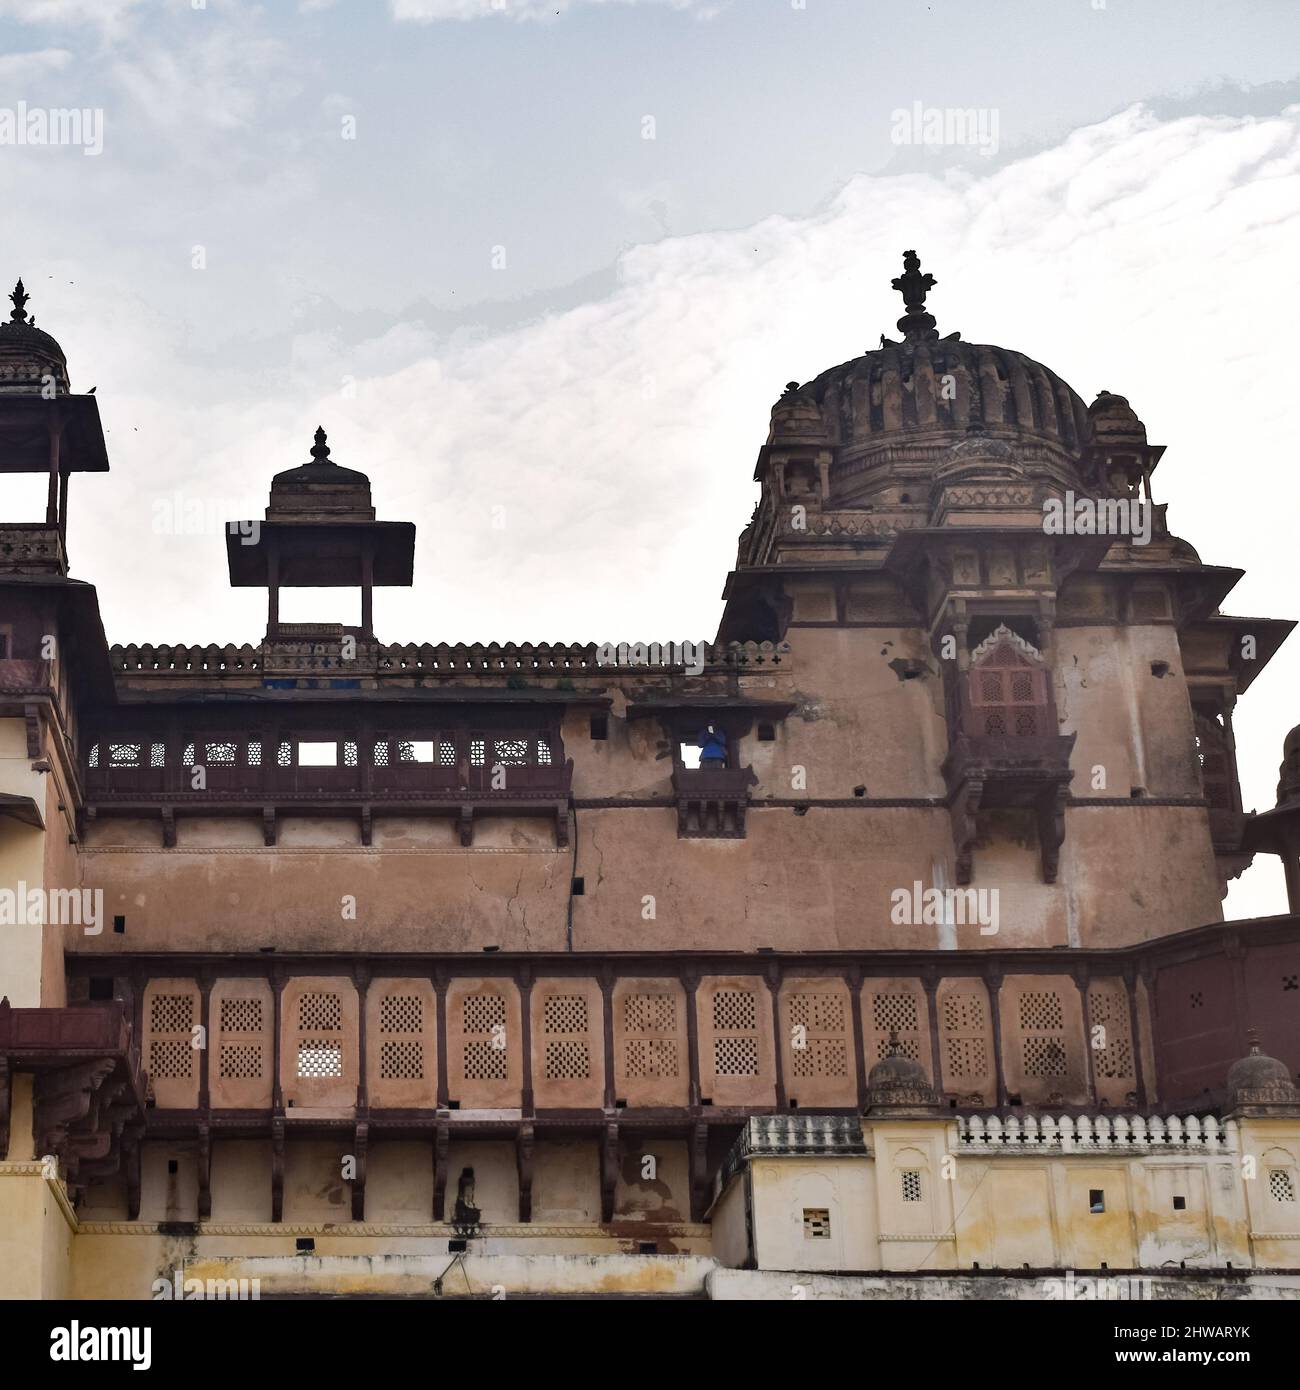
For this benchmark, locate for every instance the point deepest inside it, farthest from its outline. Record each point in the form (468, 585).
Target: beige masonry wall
(930, 1201)
(25, 967)
(796, 881)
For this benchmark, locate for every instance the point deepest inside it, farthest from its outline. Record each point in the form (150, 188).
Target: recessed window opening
(414, 751)
(599, 727)
(1096, 1201)
(705, 749)
(318, 755)
(1180, 1203)
(766, 733)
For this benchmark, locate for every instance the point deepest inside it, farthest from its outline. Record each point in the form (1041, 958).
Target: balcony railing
(412, 767)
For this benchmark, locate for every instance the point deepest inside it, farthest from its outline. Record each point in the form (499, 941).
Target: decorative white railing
(1096, 1134)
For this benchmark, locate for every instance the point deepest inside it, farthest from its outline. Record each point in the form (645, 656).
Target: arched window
(1008, 688)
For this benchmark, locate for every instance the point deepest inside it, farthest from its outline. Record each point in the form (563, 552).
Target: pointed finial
(19, 299)
(915, 325)
(895, 1047)
(790, 388)
(320, 450)
(1252, 1037)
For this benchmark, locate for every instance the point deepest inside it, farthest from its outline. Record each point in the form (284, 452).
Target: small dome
(1261, 1085)
(797, 420)
(29, 357)
(895, 1072)
(900, 1085)
(320, 490)
(1114, 421)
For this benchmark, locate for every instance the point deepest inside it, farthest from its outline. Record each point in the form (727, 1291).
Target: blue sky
(554, 343)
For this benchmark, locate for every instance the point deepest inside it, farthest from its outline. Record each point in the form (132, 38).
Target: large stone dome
(893, 414)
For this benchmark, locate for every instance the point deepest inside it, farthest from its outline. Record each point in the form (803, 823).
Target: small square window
(1180, 1203)
(1280, 1185)
(318, 755)
(1096, 1201)
(600, 727)
(816, 1223)
(766, 733)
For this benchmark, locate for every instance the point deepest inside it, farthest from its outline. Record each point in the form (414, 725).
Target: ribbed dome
(894, 1072)
(905, 402)
(28, 355)
(1258, 1073)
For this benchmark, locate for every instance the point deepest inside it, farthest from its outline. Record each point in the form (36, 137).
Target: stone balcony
(999, 772)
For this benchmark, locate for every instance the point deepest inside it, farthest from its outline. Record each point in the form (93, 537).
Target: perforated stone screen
(319, 1057)
(816, 1223)
(818, 1024)
(967, 1047)
(402, 1061)
(401, 1013)
(241, 1047)
(1108, 1010)
(169, 1054)
(317, 1011)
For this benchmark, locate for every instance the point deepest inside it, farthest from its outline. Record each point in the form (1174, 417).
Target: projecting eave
(1230, 634)
(21, 808)
(320, 555)
(26, 438)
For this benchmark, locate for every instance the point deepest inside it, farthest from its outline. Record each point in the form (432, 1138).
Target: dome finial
(916, 325)
(320, 450)
(19, 299)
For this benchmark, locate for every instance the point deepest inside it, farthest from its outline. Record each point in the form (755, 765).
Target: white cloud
(17, 66)
(431, 11)
(106, 15)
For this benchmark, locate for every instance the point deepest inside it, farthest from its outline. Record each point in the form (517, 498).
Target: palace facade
(876, 946)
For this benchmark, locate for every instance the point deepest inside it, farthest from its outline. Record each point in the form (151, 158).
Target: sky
(541, 269)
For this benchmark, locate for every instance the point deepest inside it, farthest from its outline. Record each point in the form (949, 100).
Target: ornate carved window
(1007, 685)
